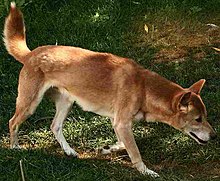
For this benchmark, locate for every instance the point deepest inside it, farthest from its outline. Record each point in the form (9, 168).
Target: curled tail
(14, 34)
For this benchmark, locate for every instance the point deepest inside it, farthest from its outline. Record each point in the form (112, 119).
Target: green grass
(178, 46)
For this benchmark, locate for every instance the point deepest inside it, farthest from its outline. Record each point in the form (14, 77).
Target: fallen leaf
(217, 49)
(146, 28)
(212, 25)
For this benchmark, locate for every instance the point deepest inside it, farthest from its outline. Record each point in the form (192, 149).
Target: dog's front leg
(124, 130)
(119, 145)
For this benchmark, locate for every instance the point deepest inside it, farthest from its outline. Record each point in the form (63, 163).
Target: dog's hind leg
(63, 105)
(31, 89)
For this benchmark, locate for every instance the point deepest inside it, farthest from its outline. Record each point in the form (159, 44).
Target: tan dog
(102, 83)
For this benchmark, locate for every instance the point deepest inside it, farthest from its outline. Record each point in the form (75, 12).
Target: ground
(179, 39)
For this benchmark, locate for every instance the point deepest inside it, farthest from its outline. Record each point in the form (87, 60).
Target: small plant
(195, 9)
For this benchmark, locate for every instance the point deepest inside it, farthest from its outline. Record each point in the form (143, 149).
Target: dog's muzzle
(200, 141)
(197, 138)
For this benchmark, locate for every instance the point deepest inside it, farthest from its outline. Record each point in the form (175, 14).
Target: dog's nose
(213, 136)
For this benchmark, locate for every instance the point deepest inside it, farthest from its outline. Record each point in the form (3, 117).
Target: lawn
(171, 37)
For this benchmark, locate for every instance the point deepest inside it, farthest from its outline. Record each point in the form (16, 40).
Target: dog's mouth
(200, 141)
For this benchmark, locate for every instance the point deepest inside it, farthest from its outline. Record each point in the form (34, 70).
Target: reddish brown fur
(102, 83)
(14, 31)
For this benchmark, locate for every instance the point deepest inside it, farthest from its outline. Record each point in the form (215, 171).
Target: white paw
(112, 148)
(151, 173)
(141, 167)
(71, 152)
(105, 151)
(118, 146)
(16, 146)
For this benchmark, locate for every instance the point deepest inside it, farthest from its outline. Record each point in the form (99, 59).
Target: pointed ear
(197, 87)
(180, 102)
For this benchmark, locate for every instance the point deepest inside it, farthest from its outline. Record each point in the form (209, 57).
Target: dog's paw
(141, 167)
(105, 150)
(117, 147)
(112, 148)
(16, 146)
(151, 173)
(71, 152)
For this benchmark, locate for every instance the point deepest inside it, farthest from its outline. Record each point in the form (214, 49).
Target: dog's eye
(199, 119)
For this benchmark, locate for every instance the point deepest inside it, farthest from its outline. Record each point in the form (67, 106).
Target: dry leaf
(212, 25)
(146, 28)
(217, 49)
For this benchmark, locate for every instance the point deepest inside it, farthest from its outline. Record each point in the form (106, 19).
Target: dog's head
(191, 115)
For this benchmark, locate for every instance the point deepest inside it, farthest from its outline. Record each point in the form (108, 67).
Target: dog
(102, 83)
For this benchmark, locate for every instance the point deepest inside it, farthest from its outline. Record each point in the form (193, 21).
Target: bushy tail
(14, 34)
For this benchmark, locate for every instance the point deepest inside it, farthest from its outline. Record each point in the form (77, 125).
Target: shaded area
(176, 42)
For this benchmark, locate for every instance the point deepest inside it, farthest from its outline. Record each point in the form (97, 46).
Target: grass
(178, 45)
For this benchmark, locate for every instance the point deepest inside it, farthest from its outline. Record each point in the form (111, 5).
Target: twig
(22, 172)
(43, 118)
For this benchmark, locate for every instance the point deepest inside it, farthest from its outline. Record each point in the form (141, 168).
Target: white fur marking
(13, 5)
(62, 108)
(141, 167)
(105, 151)
(113, 148)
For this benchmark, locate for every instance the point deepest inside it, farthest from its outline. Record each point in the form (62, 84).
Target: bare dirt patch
(177, 40)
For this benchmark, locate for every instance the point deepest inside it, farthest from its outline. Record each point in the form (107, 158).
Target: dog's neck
(159, 94)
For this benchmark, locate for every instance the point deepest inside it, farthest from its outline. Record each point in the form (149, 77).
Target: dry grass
(177, 40)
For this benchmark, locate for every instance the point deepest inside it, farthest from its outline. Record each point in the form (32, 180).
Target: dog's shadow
(41, 164)
(163, 143)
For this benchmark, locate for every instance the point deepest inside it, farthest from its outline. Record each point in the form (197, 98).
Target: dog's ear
(181, 101)
(197, 87)
(184, 102)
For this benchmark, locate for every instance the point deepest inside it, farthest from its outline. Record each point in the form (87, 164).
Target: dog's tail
(14, 34)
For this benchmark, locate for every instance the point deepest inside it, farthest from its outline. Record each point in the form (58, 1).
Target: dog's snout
(213, 136)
